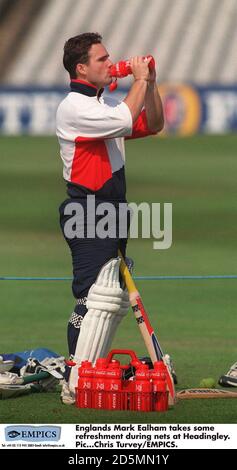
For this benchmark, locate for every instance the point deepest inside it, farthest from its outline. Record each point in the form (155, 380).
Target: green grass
(195, 320)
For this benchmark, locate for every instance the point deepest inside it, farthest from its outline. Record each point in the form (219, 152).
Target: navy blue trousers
(88, 257)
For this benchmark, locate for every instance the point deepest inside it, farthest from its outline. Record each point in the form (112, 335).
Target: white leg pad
(103, 303)
(115, 321)
(120, 315)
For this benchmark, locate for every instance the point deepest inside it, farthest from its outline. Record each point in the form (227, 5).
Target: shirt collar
(85, 88)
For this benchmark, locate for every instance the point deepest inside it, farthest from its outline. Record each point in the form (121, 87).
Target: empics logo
(14, 434)
(32, 433)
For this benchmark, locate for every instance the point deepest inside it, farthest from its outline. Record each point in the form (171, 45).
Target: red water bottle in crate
(127, 386)
(85, 385)
(143, 389)
(99, 385)
(160, 393)
(113, 386)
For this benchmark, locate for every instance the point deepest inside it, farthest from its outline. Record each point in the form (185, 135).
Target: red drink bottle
(85, 385)
(99, 385)
(159, 387)
(113, 386)
(143, 389)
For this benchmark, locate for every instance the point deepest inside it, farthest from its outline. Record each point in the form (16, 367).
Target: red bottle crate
(102, 386)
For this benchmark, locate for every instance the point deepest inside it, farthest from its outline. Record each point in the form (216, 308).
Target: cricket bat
(191, 393)
(147, 332)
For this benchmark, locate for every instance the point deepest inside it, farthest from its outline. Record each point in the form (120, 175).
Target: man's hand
(140, 68)
(143, 90)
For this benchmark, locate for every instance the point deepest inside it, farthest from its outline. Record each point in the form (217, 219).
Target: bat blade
(192, 393)
(150, 339)
(156, 350)
(153, 346)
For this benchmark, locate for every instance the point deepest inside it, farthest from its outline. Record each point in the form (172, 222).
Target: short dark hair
(76, 51)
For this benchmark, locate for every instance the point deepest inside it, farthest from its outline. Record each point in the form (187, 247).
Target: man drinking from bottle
(91, 130)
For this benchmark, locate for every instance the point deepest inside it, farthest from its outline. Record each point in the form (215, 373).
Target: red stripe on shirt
(140, 127)
(91, 165)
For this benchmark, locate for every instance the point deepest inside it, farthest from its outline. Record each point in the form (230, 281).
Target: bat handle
(126, 275)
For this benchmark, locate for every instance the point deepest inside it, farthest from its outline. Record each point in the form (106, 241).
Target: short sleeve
(140, 127)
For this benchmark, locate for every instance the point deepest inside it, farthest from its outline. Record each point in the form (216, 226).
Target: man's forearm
(136, 97)
(154, 108)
